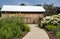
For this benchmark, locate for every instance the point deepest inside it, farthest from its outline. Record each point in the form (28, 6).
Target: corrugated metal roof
(23, 8)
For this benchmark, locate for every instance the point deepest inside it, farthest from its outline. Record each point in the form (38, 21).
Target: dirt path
(36, 33)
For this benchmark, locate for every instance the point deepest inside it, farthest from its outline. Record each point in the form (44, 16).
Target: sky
(29, 2)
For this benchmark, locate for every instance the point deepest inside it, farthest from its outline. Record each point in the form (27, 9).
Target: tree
(22, 4)
(0, 12)
(38, 5)
(58, 9)
(49, 9)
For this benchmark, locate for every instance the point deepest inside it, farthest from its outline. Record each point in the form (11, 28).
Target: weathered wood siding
(28, 17)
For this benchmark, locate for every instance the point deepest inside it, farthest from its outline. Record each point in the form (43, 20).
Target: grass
(11, 27)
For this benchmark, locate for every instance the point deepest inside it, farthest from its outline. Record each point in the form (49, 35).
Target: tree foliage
(38, 5)
(58, 9)
(50, 9)
(0, 12)
(22, 4)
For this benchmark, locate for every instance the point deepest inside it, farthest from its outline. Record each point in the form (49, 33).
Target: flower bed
(51, 24)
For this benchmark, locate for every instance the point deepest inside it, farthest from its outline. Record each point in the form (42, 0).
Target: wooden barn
(31, 14)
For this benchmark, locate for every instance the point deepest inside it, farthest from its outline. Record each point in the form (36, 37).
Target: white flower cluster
(55, 19)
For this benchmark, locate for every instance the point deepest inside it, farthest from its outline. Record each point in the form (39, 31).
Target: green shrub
(54, 20)
(52, 23)
(6, 34)
(58, 33)
(26, 28)
(39, 23)
(49, 27)
(11, 27)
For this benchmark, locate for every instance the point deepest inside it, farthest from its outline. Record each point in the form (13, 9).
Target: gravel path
(36, 33)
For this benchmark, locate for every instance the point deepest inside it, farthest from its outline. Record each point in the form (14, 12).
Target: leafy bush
(52, 23)
(12, 27)
(58, 33)
(39, 23)
(54, 20)
(26, 28)
(49, 27)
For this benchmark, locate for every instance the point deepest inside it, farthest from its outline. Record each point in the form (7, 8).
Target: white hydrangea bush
(55, 19)
(46, 19)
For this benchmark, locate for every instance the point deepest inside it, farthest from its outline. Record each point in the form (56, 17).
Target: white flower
(51, 19)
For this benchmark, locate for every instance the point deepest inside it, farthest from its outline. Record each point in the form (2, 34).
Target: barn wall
(32, 17)
(28, 17)
(10, 15)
